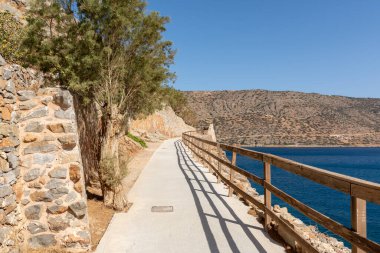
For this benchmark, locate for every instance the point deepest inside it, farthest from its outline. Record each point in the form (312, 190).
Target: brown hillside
(288, 118)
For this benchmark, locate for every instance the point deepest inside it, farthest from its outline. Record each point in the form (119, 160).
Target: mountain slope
(259, 117)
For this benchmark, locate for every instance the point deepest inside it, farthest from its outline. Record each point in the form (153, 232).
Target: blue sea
(363, 163)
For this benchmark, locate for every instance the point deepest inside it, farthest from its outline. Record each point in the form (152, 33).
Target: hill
(260, 117)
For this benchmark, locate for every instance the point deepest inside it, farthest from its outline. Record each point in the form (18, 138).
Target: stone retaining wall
(42, 195)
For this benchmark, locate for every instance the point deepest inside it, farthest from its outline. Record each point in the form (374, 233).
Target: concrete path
(204, 218)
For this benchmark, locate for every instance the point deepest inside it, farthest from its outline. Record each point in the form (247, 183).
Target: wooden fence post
(358, 220)
(219, 165)
(267, 193)
(233, 162)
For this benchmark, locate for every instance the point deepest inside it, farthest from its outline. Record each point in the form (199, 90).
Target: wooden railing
(359, 190)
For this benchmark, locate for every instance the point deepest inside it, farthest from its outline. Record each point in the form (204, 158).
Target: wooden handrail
(359, 190)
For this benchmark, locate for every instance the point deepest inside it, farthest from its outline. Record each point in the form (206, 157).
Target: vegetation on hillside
(138, 140)
(110, 52)
(11, 31)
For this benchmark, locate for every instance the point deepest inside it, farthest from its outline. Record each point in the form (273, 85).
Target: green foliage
(138, 140)
(111, 51)
(11, 31)
(110, 178)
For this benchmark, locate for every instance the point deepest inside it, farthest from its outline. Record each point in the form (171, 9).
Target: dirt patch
(100, 217)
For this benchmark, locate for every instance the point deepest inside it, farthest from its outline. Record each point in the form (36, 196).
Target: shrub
(138, 140)
(110, 177)
(11, 32)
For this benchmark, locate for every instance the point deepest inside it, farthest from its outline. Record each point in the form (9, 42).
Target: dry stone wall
(42, 195)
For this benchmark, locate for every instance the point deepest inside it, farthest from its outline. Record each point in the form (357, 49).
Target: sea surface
(363, 163)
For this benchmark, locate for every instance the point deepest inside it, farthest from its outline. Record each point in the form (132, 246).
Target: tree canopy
(111, 51)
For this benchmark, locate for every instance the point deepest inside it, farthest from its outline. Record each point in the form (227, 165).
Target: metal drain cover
(162, 209)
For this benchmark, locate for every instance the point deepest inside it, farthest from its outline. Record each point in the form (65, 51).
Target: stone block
(40, 241)
(13, 160)
(7, 74)
(31, 175)
(74, 173)
(36, 227)
(68, 142)
(61, 114)
(57, 209)
(59, 192)
(55, 183)
(42, 196)
(63, 99)
(40, 147)
(28, 138)
(37, 113)
(2, 61)
(25, 95)
(5, 114)
(78, 209)
(43, 158)
(4, 234)
(5, 190)
(56, 128)
(34, 127)
(57, 224)
(4, 165)
(27, 105)
(58, 172)
(33, 212)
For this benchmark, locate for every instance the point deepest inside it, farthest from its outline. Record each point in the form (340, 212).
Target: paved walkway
(204, 218)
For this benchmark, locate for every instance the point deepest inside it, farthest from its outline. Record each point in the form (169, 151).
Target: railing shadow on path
(187, 164)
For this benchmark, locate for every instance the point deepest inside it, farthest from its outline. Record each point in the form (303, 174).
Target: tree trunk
(111, 175)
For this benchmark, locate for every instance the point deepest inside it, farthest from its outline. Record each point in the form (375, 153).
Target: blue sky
(324, 46)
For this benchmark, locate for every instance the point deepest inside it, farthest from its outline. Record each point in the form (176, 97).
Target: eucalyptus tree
(108, 51)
